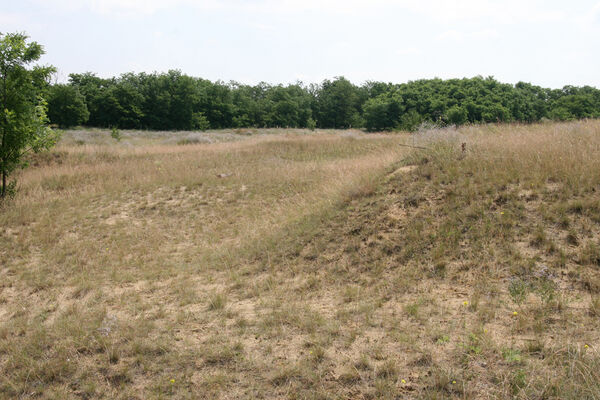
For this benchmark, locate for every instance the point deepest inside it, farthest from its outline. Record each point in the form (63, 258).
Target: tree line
(175, 101)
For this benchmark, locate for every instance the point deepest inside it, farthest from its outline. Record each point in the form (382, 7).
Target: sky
(550, 43)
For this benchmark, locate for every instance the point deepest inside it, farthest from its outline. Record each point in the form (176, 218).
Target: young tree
(22, 109)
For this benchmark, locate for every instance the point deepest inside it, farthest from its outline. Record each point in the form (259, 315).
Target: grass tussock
(306, 266)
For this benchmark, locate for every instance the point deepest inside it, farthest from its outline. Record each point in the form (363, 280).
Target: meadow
(446, 263)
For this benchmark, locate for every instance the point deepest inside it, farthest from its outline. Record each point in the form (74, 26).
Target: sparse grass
(289, 264)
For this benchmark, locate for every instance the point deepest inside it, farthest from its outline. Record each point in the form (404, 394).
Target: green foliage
(66, 106)
(22, 109)
(457, 115)
(411, 120)
(377, 114)
(336, 103)
(518, 381)
(443, 339)
(512, 356)
(199, 121)
(546, 289)
(115, 134)
(176, 101)
(518, 290)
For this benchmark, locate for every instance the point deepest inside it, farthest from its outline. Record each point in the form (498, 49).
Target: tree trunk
(3, 192)
(3, 135)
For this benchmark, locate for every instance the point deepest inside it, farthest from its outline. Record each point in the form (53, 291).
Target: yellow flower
(172, 380)
(453, 382)
(586, 346)
(515, 313)
(465, 303)
(403, 381)
(485, 331)
(501, 212)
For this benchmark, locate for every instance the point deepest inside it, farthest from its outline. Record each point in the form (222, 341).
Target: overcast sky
(550, 43)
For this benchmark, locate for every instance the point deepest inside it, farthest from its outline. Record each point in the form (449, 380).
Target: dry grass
(307, 266)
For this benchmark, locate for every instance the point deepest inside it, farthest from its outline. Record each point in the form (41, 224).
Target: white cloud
(439, 10)
(451, 35)
(505, 11)
(408, 51)
(128, 8)
(455, 35)
(486, 34)
(19, 22)
(589, 22)
(263, 27)
(11, 21)
(593, 18)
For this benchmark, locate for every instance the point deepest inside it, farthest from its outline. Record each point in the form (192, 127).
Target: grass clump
(217, 301)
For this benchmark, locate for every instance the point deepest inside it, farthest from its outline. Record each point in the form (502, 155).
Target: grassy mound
(470, 273)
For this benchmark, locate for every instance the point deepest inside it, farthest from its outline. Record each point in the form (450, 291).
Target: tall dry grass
(92, 222)
(297, 265)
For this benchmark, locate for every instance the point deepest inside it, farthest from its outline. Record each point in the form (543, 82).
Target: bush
(115, 134)
(200, 121)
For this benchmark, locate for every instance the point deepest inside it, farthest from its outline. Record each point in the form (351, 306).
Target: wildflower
(172, 381)
(586, 346)
(485, 331)
(465, 303)
(453, 382)
(515, 313)
(403, 381)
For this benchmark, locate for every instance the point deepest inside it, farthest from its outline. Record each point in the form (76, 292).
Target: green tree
(92, 88)
(377, 116)
(457, 115)
(66, 106)
(337, 103)
(22, 109)
(176, 101)
(199, 121)
(410, 120)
